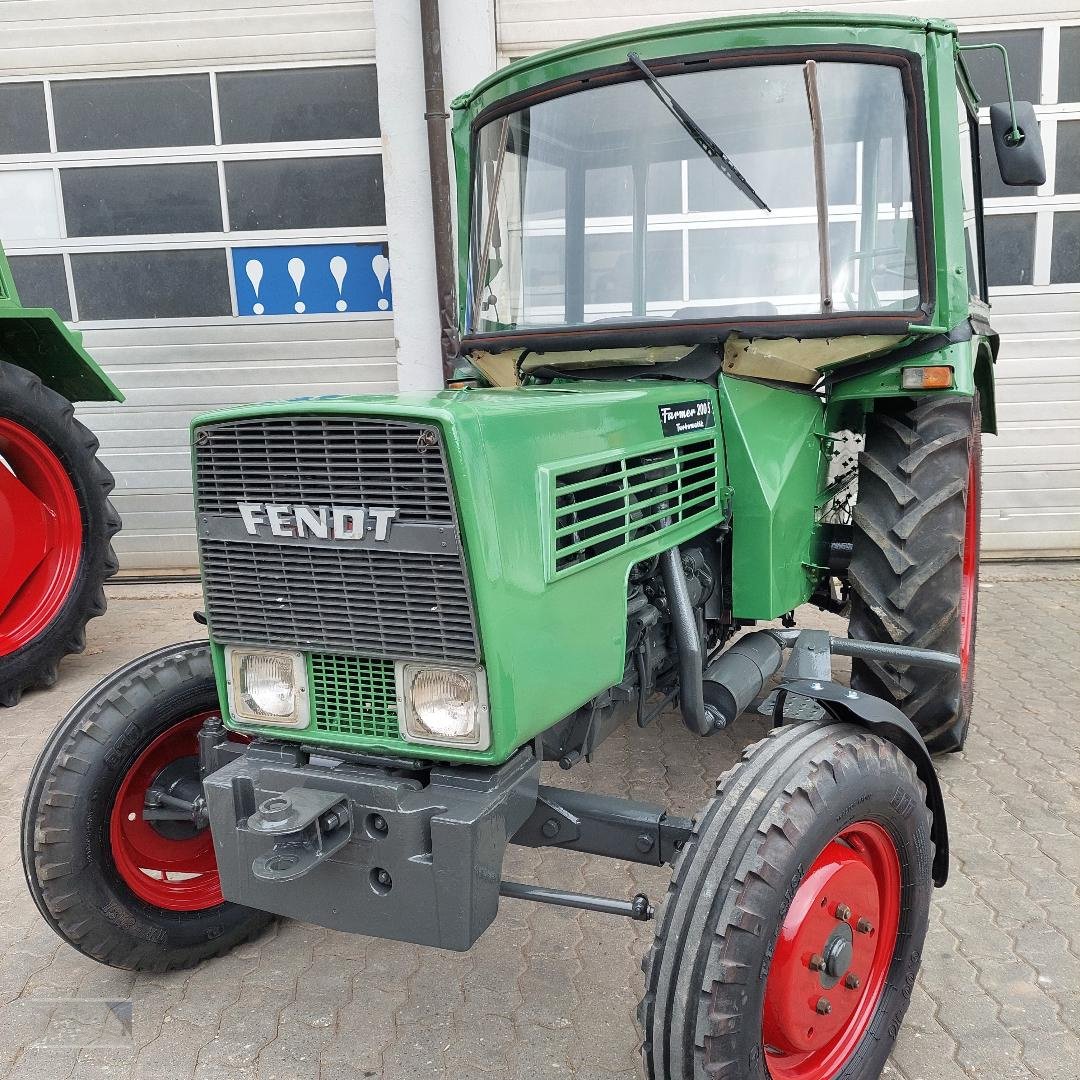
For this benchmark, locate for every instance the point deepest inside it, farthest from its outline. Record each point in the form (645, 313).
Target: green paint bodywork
(773, 438)
(37, 339)
(552, 638)
(548, 645)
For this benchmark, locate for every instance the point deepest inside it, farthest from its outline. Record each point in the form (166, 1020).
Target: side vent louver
(609, 506)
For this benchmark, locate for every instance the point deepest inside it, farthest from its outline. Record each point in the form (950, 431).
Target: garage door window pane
(1010, 248)
(115, 114)
(151, 284)
(988, 72)
(305, 193)
(139, 200)
(1069, 77)
(1065, 253)
(298, 105)
(28, 206)
(1068, 158)
(41, 282)
(24, 129)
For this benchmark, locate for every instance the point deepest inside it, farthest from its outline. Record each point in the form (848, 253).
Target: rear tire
(52, 464)
(813, 818)
(80, 859)
(915, 557)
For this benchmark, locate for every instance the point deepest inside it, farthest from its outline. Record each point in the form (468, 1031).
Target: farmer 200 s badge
(687, 416)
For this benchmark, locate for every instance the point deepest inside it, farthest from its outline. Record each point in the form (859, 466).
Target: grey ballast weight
(359, 849)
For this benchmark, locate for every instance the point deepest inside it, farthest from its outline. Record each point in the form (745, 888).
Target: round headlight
(445, 703)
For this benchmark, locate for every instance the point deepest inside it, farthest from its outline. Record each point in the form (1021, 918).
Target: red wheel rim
(821, 995)
(181, 874)
(970, 581)
(41, 536)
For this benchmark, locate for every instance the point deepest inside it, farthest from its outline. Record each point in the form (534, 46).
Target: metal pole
(436, 116)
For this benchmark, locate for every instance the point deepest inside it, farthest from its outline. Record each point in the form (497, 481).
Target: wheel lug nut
(823, 1006)
(852, 982)
(843, 912)
(817, 962)
(864, 926)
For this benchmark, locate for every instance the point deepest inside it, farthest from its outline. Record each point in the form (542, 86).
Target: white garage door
(200, 192)
(1032, 470)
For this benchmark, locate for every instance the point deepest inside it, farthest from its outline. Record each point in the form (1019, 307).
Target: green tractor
(56, 521)
(700, 266)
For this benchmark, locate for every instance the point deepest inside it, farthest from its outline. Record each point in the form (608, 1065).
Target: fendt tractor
(700, 266)
(56, 521)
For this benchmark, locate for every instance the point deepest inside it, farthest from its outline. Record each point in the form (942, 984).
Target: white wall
(47, 36)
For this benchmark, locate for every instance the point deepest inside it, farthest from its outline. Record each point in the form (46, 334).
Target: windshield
(601, 206)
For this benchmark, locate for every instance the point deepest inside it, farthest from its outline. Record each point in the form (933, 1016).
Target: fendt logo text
(318, 522)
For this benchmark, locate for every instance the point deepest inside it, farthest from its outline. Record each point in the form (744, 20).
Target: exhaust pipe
(695, 713)
(738, 675)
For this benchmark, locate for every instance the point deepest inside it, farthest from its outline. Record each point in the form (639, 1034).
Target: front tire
(793, 927)
(127, 892)
(915, 557)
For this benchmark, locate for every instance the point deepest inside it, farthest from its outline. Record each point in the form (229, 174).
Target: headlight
(267, 687)
(443, 706)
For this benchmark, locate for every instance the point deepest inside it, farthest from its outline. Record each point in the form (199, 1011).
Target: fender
(37, 340)
(889, 723)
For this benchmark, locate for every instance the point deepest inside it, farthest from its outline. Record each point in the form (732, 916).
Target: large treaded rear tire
(69, 856)
(920, 467)
(753, 850)
(42, 412)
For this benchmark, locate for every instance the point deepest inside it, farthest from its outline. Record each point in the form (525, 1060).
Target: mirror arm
(1017, 134)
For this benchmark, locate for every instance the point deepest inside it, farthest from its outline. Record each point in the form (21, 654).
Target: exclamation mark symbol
(254, 270)
(296, 272)
(339, 267)
(380, 266)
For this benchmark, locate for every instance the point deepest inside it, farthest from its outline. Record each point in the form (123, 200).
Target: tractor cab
(786, 186)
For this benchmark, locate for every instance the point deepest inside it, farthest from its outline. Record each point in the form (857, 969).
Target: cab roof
(743, 31)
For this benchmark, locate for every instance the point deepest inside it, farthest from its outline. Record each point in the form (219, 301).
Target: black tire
(906, 571)
(66, 851)
(51, 418)
(732, 886)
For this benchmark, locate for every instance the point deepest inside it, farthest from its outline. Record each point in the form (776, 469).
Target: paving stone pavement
(551, 993)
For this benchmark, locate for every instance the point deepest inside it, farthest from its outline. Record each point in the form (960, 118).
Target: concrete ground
(550, 993)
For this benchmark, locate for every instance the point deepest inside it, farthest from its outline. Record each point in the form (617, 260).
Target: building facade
(213, 193)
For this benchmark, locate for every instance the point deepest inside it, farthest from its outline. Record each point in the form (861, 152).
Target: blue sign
(312, 279)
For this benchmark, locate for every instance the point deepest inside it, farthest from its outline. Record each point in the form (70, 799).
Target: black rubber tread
(51, 417)
(733, 882)
(65, 821)
(907, 556)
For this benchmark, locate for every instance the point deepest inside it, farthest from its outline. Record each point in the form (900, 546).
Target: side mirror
(1020, 159)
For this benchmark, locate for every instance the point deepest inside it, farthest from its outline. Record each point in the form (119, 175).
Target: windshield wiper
(698, 134)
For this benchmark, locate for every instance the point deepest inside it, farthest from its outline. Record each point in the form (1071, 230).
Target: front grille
(611, 505)
(394, 600)
(324, 459)
(351, 695)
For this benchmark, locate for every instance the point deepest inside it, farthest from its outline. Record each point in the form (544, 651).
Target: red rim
(970, 581)
(41, 536)
(180, 874)
(833, 955)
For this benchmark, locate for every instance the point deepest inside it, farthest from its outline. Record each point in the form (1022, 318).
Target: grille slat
(371, 601)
